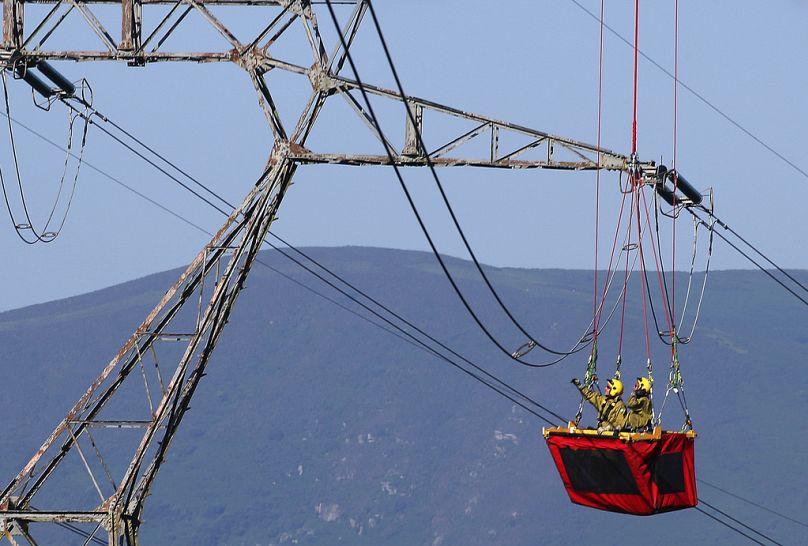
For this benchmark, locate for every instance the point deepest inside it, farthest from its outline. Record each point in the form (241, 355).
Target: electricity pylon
(116, 436)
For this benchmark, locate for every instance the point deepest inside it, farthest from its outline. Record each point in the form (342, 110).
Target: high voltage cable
(374, 120)
(745, 526)
(43, 235)
(748, 257)
(699, 96)
(426, 347)
(754, 249)
(149, 161)
(431, 166)
(187, 221)
(433, 351)
(725, 524)
(432, 169)
(107, 175)
(224, 201)
(753, 503)
(414, 340)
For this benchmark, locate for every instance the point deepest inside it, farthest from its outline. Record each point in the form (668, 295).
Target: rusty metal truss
(118, 432)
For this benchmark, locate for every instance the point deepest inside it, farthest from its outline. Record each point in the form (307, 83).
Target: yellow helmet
(643, 383)
(615, 387)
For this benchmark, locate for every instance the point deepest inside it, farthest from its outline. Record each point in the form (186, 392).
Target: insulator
(685, 187)
(53, 75)
(661, 173)
(666, 193)
(35, 81)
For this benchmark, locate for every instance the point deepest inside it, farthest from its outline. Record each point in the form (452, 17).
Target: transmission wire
(374, 120)
(431, 166)
(414, 340)
(698, 95)
(725, 524)
(702, 501)
(754, 249)
(745, 255)
(731, 494)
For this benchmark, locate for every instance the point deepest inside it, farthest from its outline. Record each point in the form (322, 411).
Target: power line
(211, 192)
(756, 250)
(748, 257)
(415, 340)
(108, 176)
(725, 524)
(374, 120)
(149, 161)
(753, 503)
(699, 96)
(431, 166)
(742, 524)
(436, 353)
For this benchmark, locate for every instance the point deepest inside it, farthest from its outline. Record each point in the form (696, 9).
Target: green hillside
(315, 427)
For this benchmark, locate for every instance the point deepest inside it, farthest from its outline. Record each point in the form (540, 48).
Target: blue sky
(534, 63)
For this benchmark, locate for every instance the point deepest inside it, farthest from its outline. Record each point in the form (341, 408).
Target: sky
(534, 63)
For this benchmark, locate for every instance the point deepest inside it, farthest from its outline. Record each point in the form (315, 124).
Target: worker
(641, 410)
(611, 408)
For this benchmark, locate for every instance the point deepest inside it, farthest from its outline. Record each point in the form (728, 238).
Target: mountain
(314, 426)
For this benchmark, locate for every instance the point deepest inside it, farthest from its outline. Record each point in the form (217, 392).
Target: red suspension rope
(625, 276)
(597, 183)
(675, 132)
(636, 50)
(611, 256)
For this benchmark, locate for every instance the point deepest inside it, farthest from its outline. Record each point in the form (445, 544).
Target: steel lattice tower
(117, 433)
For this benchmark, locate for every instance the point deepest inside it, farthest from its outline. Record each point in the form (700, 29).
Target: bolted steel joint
(301, 8)
(321, 80)
(280, 151)
(250, 60)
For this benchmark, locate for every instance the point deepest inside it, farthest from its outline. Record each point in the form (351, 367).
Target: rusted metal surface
(404, 161)
(60, 517)
(12, 24)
